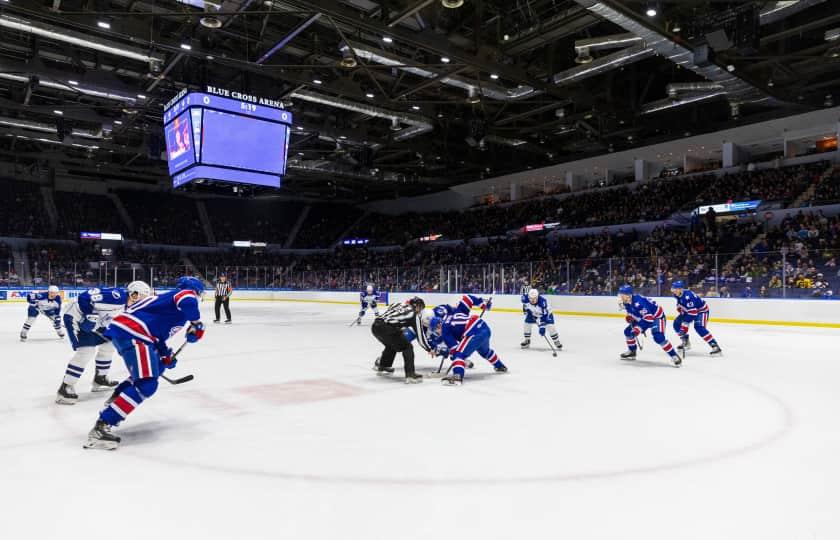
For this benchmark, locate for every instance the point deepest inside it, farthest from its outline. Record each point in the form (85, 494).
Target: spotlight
(369, 95)
(141, 96)
(452, 4)
(317, 81)
(651, 12)
(103, 24)
(387, 39)
(506, 37)
(583, 56)
(186, 46)
(676, 28)
(494, 76)
(210, 22)
(444, 59)
(395, 125)
(730, 68)
(74, 83)
(59, 113)
(348, 60)
(415, 107)
(829, 100)
(770, 83)
(472, 97)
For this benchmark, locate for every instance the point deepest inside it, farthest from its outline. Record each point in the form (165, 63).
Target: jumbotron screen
(210, 137)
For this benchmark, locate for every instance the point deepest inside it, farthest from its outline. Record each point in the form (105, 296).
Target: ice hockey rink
(287, 433)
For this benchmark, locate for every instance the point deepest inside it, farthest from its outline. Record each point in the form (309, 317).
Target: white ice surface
(286, 433)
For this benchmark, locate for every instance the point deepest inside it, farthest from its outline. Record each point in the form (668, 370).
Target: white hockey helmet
(140, 287)
(53, 289)
(533, 294)
(370, 289)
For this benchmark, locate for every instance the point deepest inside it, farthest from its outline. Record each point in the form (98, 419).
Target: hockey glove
(195, 331)
(629, 319)
(442, 350)
(542, 330)
(167, 358)
(89, 323)
(487, 305)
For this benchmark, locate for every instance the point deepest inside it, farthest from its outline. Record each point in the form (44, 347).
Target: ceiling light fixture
(186, 46)
(103, 24)
(415, 107)
(387, 39)
(506, 37)
(141, 96)
(74, 83)
(369, 95)
(348, 60)
(210, 22)
(317, 81)
(444, 59)
(472, 96)
(452, 4)
(117, 122)
(59, 113)
(494, 76)
(583, 56)
(676, 28)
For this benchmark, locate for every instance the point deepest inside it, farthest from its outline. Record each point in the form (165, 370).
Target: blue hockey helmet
(434, 324)
(440, 311)
(190, 283)
(678, 284)
(625, 289)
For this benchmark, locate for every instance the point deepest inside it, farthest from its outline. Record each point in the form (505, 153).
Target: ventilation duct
(669, 103)
(674, 89)
(417, 125)
(492, 91)
(584, 47)
(603, 64)
(776, 11)
(733, 87)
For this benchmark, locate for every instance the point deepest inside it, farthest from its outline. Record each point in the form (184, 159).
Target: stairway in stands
(123, 213)
(298, 224)
(205, 222)
(21, 260)
(49, 204)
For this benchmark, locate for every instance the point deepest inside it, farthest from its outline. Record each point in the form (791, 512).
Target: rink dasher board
(814, 313)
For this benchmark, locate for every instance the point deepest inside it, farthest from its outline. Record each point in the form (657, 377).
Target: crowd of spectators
(24, 213)
(164, 218)
(8, 272)
(324, 224)
(79, 212)
(260, 220)
(649, 201)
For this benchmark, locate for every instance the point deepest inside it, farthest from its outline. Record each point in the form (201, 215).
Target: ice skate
(685, 345)
(676, 360)
(66, 395)
(101, 383)
(629, 355)
(101, 438)
(382, 371)
(216, 321)
(452, 380)
(500, 369)
(470, 364)
(525, 344)
(23, 336)
(716, 351)
(557, 344)
(228, 321)
(412, 378)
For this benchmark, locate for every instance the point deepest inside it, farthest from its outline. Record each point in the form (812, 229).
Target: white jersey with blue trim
(42, 301)
(539, 310)
(368, 298)
(98, 304)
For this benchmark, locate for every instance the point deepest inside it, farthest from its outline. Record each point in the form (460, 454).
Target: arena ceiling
(405, 96)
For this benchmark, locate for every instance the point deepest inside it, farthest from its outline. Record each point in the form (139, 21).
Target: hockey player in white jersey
(368, 298)
(47, 304)
(86, 318)
(537, 311)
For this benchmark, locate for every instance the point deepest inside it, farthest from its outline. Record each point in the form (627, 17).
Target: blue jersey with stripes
(44, 303)
(457, 327)
(690, 304)
(643, 310)
(156, 318)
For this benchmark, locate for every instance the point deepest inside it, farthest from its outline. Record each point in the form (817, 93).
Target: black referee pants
(222, 301)
(392, 337)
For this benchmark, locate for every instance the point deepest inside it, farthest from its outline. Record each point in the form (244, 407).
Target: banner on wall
(2, 295)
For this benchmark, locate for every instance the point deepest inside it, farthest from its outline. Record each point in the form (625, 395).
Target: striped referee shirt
(223, 289)
(403, 316)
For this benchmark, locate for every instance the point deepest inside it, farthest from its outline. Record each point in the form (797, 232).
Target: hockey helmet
(369, 289)
(678, 284)
(140, 288)
(190, 283)
(417, 303)
(533, 295)
(53, 289)
(626, 289)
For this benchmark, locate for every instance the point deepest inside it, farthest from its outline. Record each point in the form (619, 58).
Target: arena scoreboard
(226, 136)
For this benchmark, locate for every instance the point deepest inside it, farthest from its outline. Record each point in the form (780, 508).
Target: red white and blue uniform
(693, 309)
(644, 314)
(465, 334)
(139, 335)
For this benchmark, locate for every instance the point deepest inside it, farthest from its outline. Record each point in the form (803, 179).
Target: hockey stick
(550, 345)
(182, 380)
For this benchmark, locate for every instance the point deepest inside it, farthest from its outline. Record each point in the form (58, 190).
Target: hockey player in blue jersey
(47, 304)
(644, 314)
(692, 309)
(463, 334)
(368, 297)
(139, 335)
(537, 311)
(86, 318)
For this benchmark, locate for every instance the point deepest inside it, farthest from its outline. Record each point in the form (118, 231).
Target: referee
(388, 329)
(223, 291)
